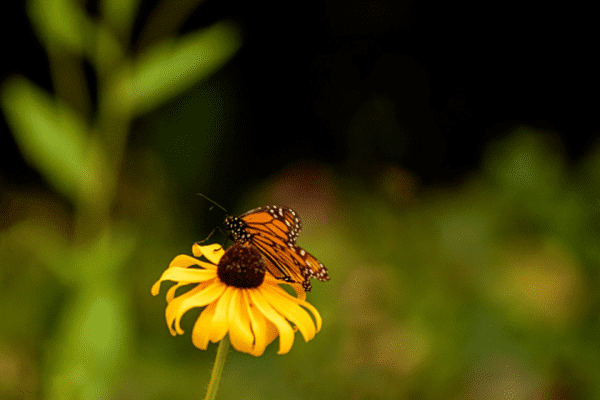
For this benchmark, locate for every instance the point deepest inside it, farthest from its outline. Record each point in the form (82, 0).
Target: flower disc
(242, 266)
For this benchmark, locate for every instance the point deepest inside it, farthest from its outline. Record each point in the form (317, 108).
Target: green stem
(215, 378)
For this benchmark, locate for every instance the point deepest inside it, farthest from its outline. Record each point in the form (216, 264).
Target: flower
(240, 299)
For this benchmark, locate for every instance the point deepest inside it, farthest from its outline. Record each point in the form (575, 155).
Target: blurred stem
(93, 207)
(114, 115)
(68, 79)
(108, 138)
(107, 146)
(165, 21)
(215, 378)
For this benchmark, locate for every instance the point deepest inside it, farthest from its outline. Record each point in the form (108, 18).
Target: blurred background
(443, 157)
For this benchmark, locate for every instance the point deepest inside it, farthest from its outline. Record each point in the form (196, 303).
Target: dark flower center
(242, 266)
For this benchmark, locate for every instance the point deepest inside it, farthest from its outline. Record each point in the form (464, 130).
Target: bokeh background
(443, 157)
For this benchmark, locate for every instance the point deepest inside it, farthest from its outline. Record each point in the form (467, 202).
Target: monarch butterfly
(273, 230)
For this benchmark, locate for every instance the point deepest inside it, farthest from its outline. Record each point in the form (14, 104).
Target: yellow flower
(239, 300)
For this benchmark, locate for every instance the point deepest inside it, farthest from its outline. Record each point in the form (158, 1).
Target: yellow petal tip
(155, 288)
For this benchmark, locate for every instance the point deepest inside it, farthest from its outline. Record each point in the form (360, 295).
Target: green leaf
(50, 135)
(120, 14)
(173, 66)
(107, 52)
(60, 22)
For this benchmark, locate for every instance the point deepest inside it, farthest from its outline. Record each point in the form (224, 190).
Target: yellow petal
(171, 291)
(312, 309)
(189, 275)
(184, 276)
(196, 297)
(173, 311)
(286, 333)
(219, 323)
(185, 261)
(258, 325)
(212, 252)
(240, 333)
(281, 302)
(202, 328)
(155, 288)
(271, 332)
(300, 292)
(264, 330)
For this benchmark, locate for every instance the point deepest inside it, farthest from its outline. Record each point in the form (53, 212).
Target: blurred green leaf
(173, 66)
(104, 257)
(50, 135)
(95, 328)
(60, 22)
(120, 14)
(91, 344)
(528, 161)
(108, 51)
(41, 241)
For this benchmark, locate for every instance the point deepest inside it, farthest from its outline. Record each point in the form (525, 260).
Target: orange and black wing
(274, 231)
(290, 262)
(275, 222)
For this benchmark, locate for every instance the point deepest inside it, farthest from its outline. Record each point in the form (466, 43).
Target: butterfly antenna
(213, 231)
(214, 202)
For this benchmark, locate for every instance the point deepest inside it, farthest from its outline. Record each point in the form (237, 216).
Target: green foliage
(483, 290)
(174, 65)
(61, 23)
(51, 136)
(80, 256)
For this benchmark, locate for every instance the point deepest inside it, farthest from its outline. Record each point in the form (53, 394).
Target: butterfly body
(273, 230)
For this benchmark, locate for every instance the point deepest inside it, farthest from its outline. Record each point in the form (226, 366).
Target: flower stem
(215, 378)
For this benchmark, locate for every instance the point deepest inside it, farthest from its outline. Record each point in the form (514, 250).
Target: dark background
(459, 74)
(443, 157)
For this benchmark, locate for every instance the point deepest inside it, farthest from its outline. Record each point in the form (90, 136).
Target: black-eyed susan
(239, 299)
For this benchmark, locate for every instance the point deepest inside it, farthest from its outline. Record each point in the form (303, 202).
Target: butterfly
(273, 230)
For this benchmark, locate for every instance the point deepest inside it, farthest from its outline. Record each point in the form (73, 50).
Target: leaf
(173, 66)
(120, 14)
(60, 22)
(50, 135)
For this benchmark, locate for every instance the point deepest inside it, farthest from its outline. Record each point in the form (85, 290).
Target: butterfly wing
(274, 231)
(280, 262)
(309, 265)
(281, 222)
(290, 262)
